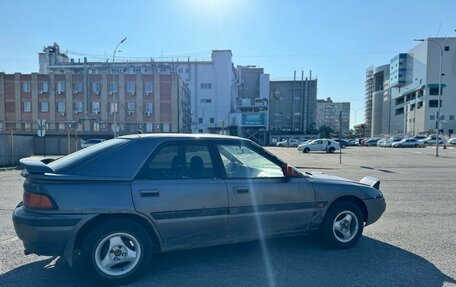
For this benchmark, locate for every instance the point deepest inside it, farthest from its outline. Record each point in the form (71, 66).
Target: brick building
(94, 103)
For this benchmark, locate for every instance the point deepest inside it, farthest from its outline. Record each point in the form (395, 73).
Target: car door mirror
(289, 171)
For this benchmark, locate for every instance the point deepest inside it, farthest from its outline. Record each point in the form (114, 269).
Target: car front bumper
(375, 208)
(45, 234)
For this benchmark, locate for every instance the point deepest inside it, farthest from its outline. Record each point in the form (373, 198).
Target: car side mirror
(288, 171)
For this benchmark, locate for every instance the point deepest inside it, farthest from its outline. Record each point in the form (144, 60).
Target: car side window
(243, 162)
(180, 161)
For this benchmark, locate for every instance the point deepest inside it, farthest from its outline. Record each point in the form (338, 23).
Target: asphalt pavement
(413, 244)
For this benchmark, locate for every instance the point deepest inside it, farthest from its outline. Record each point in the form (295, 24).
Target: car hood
(323, 176)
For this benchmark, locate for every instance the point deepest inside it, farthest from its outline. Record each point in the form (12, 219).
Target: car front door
(183, 194)
(262, 201)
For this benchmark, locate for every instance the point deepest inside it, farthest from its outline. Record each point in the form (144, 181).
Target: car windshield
(69, 161)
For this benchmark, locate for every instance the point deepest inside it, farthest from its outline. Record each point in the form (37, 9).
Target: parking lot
(413, 244)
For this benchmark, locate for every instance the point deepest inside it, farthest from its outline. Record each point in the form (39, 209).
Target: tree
(325, 131)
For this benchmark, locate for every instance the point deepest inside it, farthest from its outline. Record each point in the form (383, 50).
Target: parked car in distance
(90, 142)
(391, 140)
(343, 143)
(111, 205)
(452, 141)
(431, 140)
(371, 142)
(409, 142)
(288, 143)
(326, 145)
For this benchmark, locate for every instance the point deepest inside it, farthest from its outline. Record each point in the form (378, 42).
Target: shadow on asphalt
(296, 261)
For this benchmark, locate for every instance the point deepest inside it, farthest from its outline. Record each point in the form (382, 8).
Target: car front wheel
(117, 251)
(306, 150)
(343, 225)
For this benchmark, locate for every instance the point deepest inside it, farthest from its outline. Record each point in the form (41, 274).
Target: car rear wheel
(117, 251)
(331, 150)
(343, 225)
(306, 150)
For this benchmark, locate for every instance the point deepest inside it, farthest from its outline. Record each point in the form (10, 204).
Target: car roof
(181, 136)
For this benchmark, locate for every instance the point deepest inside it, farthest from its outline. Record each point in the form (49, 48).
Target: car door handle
(149, 192)
(241, 190)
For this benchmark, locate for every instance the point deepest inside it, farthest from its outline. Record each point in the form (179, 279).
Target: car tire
(306, 150)
(295, 145)
(342, 226)
(331, 150)
(112, 241)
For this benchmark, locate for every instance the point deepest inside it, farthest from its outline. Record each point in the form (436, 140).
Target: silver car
(112, 205)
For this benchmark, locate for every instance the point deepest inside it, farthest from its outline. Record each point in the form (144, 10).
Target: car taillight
(37, 201)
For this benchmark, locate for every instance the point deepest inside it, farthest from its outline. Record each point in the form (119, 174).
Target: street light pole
(437, 123)
(115, 93)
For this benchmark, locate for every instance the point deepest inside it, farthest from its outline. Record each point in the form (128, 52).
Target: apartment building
(410, 90)
(292, 106)
(94, 103)
(328, 115)
(212, 84)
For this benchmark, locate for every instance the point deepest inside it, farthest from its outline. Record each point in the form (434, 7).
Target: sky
(337, 40)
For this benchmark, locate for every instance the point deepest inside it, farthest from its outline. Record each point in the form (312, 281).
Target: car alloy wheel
(117, 251)
(117, 254)
(343, 225)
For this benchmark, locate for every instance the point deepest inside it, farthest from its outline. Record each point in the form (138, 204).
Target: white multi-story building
(328, 115)
(414, 86)
(212, 84)
(403, 97)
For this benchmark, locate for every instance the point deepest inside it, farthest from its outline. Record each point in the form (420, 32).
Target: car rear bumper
(45, 234)
(375, 208)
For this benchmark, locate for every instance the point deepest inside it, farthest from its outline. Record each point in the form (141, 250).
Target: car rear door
(262, 201)
(183, 194)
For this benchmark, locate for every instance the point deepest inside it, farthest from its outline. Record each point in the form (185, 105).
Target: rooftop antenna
(438, 30)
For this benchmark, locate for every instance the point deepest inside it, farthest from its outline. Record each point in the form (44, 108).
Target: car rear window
(74, 159)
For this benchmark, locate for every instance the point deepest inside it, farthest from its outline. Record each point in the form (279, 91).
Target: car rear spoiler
(371, 181)
(35, 166)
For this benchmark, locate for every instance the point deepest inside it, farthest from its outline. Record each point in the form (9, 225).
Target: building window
(442, 117)
(136, 70)
(62, 126)
(200, 131)
(206, 86)
(149, 88)
(149, 127)
(26, 86)
(149, 109)
(27, 107)
(434, 91)
(200, 120)
(131, 88)
(211, 120)
(44, 107)
(186, 70)
(205, 101)
(131, 107)
(399, 111)
(447, 48)
(95, 107)
(77, 87)
(60, 87)
(431, 117)
(27, 126)
(180, 70)
(451, 117)
(113, 108)
(77, 107)
(166, 128)
(450, 131)
(96, 127)
(43, 87)
(61, 107)
(112, 87)
(96, 88)
(434, 103)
